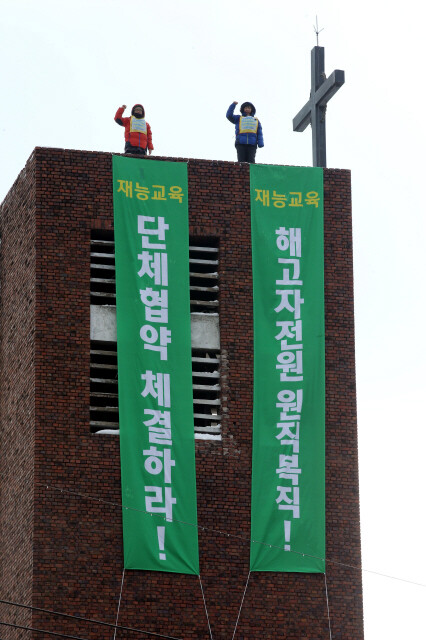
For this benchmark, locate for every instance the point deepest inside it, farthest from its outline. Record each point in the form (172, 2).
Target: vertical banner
(154, 365)
(288, 478)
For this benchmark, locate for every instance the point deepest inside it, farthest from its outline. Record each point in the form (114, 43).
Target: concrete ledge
(204, 327)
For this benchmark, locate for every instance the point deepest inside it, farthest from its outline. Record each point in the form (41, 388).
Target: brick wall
(17, 394)
(76, 540)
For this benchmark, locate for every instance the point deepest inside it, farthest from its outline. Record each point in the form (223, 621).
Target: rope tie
(119, 603)
(241, 606)
(328, 608)
(205, 608)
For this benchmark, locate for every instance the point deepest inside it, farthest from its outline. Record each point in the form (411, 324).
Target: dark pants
(136, 151)
(246, 152)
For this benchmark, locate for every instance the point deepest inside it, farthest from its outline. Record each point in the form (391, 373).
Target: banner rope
(241, 605)
(328, 608)
(119, 603)
(205, 607)
(244, 539)
(82, 619)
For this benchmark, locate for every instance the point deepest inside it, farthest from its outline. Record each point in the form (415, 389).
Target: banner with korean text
(154, 365)
(288, 477)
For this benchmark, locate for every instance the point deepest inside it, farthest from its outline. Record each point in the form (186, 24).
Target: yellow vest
(138, 124)
(248, 124)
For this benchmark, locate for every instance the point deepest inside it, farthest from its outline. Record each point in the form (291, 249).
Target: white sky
(66, 67)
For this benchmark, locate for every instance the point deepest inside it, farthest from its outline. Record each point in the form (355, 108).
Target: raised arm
(119, 114)
(230, 113)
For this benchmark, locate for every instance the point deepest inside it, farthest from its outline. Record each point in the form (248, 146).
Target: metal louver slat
(204, 249)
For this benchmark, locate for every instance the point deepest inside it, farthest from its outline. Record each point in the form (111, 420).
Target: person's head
(248, 109)
(138, 111)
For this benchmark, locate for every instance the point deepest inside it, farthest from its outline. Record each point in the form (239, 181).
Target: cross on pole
(313, 112)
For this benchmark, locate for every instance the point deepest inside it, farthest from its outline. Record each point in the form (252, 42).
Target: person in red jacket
(137, 132)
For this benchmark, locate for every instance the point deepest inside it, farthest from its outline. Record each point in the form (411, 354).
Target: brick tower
(60, 517)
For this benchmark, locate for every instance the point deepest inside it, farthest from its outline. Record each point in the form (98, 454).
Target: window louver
(204, 290)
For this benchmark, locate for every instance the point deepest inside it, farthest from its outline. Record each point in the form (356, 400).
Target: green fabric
(154, 365)
(288, 477)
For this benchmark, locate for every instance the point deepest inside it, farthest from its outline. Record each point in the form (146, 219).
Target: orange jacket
(135, 138)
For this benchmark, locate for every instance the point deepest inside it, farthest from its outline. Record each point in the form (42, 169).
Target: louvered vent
(102, 267)
(206, 390)
(203, 264)
(203, 274)
(103, 386)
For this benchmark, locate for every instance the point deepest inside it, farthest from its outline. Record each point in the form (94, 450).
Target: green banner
(154, 365)
(288, 478)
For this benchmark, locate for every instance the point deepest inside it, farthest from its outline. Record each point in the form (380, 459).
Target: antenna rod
(316, 29)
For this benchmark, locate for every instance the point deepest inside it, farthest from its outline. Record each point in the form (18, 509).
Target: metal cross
(322, 89)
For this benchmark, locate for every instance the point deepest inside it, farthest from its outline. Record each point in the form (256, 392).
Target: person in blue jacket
(248, 131)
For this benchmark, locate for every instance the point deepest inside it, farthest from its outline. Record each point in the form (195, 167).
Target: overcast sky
(66, 67)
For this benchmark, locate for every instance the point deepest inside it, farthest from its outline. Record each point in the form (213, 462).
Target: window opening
(206, 390)
(103, 386)
(102, 267)
(203, 274)
(204, 301)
